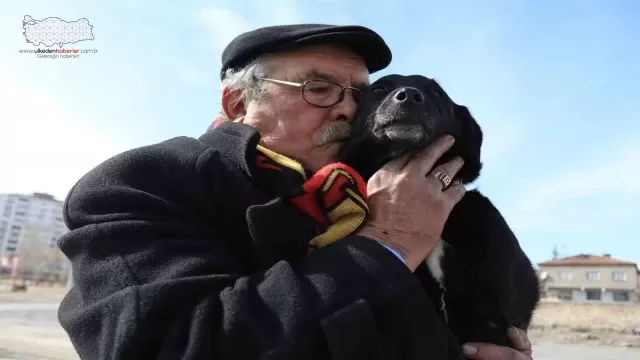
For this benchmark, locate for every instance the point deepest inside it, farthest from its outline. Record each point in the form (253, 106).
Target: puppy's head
(399, 114)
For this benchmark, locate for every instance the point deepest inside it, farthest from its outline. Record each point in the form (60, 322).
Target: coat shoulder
(165, 170)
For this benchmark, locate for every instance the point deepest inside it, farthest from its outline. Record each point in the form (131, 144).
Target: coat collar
(278, 229)
(236, 142)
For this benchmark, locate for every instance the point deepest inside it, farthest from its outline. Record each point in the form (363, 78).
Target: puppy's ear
(469, 144)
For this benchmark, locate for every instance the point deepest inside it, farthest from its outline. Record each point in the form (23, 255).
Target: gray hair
(246, 80)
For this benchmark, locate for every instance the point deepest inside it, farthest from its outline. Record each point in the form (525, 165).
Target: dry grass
(587, 317)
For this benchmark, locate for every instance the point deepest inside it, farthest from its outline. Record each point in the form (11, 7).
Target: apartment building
(30, 226)
(591, 278)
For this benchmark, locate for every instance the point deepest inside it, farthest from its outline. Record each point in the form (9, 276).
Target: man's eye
(319, 88)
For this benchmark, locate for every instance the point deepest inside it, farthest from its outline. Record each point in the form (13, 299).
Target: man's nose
(346, 109)
(409, 95)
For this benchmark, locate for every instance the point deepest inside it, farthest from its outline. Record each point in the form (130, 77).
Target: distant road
(23, 307)
(30, 331)
(551, 351)
(34, 328)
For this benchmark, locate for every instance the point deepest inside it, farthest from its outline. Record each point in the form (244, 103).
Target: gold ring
(444, 178)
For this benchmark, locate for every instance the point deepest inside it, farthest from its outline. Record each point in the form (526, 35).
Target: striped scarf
(335, 196)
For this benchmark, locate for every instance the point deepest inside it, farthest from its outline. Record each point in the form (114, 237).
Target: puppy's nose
(409, 94)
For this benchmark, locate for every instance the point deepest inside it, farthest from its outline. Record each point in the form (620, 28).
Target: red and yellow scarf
(335, 196)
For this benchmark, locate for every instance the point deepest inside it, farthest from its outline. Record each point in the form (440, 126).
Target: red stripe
(307, 203)
(264, 163)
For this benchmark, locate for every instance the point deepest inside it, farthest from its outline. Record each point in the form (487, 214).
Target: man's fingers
(450, 169)
(520, 340)
(424, 160)
(455, 192)
(478, 351)
(397, 164)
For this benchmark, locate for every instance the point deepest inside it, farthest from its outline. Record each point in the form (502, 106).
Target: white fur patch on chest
(434, 264)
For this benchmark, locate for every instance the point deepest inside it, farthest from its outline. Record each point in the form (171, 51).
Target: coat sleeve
(155, 276)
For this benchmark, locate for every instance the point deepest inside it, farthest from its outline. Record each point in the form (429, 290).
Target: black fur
(490, 282)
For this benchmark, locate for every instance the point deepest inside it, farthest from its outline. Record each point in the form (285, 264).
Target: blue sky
(554, 86)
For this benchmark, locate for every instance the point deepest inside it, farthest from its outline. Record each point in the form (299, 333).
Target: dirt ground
(30, 328)
(33, 295)
(597, 324)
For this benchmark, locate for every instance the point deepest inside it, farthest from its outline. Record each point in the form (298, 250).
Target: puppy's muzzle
(404, 106)
(408, 96)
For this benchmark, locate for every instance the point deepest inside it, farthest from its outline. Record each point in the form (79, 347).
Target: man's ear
(469, 145)
(232, 105)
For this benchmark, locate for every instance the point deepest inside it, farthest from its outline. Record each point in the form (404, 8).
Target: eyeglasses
(320, 93)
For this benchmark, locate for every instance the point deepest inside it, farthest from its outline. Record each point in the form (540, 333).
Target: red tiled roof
(585, 260)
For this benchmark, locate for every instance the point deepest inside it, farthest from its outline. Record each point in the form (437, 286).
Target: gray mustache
(335, 132)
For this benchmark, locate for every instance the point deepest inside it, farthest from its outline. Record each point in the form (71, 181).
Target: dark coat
(178, 253)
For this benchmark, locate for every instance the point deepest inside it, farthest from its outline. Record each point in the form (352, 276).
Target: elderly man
(246, 243)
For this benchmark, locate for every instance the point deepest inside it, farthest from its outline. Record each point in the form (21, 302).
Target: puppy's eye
(437, 92)
(379, 90)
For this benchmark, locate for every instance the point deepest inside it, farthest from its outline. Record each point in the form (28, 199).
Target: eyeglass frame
(303, 84)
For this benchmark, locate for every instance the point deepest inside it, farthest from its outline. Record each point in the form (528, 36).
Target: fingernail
(449, 138)
(469, 349)
(514, 332)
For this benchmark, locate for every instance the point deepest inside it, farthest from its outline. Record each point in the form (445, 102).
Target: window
(565, 275)
(594, 295)
(593, 276)
(619, 276)
(565, 294)
(621, 296)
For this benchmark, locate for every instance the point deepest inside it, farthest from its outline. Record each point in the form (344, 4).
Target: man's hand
(408, 205)
(479, 351)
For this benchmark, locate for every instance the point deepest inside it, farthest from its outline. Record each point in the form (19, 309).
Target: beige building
(591, 278)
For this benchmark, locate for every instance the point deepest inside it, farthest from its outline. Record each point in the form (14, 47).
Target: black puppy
(478, 274)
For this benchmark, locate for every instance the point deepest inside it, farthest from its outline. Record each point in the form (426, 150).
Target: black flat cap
(250, 45)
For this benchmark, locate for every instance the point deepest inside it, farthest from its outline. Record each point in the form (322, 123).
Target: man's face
(290, 125)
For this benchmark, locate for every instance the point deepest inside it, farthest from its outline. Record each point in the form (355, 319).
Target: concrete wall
(579, 277)
(580, 296)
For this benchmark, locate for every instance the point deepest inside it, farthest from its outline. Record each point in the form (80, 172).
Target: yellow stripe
(348, 216)
(359, 198)
(332, 178)
(283, 160)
